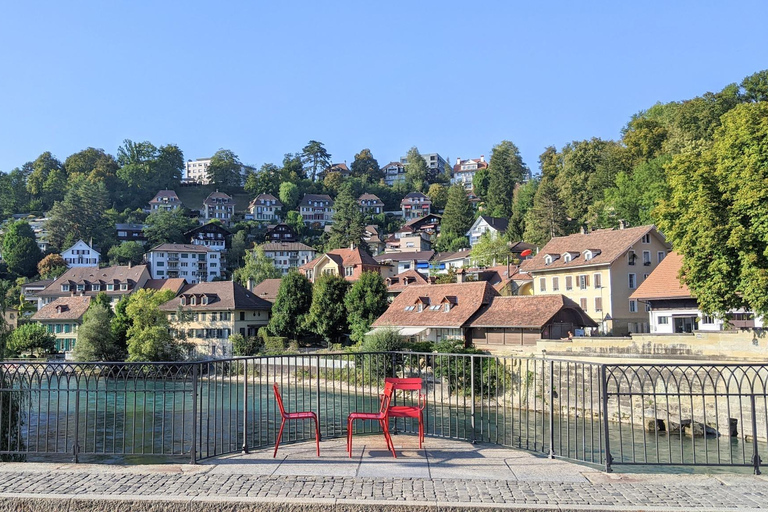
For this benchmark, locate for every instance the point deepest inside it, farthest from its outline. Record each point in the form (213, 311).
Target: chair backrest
(386, 398)
(409, 384)
(279, 399)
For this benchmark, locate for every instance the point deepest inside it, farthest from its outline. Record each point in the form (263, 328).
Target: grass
(192, 197)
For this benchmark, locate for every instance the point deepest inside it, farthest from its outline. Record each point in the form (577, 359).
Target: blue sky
(263, 78)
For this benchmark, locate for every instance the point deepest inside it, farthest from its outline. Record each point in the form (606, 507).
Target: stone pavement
(445, 476)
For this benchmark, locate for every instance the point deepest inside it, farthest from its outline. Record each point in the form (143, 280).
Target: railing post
(245, 406)
(604, 394)
(755, 454)
(472, 395)
(76, 445)
(317, 397)
(193, 450)
(551, 409)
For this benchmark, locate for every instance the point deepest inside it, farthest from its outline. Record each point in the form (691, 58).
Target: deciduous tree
(95, 341)
(365, 302)
(20, 250)
(52, 266)
(415, 170)
(438, 194)
(327, 315)
(289, 195)
(294, 298)
(148, 336)
(257, 267)
(366, 167)
(168, 226)
(127, 252)
(225, 170)
(80, 216)
(33, 339)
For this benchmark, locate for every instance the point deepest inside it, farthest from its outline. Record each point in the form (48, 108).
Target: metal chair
(409, 411)
(381, 417)
(303, 415)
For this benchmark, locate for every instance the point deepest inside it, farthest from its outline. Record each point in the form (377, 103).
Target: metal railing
(602, 414)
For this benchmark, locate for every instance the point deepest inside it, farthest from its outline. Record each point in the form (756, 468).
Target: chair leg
(317, 435)
(421, 430)
(279, 436)
(349, 437)
(388, 438)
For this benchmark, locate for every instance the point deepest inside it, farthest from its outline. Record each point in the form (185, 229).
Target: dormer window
(550, 258)
(183, 300)
(567, 257)
(193, 301)
(96, 287)
(205, 300)
(81, 287)
(123, 287)
(65, 287)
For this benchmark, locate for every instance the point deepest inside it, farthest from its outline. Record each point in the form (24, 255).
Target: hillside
(192, 197)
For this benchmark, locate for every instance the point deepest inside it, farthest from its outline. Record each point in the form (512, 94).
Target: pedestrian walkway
(445, 475)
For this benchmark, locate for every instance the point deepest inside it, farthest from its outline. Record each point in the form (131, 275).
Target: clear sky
(264, 77)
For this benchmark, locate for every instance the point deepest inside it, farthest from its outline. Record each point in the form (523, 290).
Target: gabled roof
(208, 228)
(180, 248)
(175, 284)
(481, 164)
(498, 223)
(64, 308)
(130, 227)
(267, 289)
(342, 167)
(415, 197)
(664, 283)
(416, 223)
(286, 246)
(370, 197)
(222, 295)
(392, 164)
(170, 194)
(406, 278)
(213, 196)
(261, 198)
(452, 256)
(91, 275)
(470, 297)
(612, 243)
(81, 243)
(533, 311)
(309, 198)
(344, 258)
(405, 256)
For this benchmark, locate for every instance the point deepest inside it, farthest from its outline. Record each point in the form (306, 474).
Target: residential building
(372, 238)
(116, 281)
(160, 285)
(350, 263)
(317, 209)
(212, 235)
(81, 255)
(397, 283)
(62, 317)
(265, 208)
(394, 172)
(130, 232)
(435, 164)
(599, 270)
(508, 280)
(281, 233)
(402, 261)
(494, 226)
(196, 171)
(672, 307)
(165, 200)
(195, 263)
(288, 255)
(31, 291)
(219, 205)
(406, 240)
(415, 205)
(267, 289)
(428, 227)
(370, 204)
(216, 310)
(340, 168)
(443, 262)
(464, 171)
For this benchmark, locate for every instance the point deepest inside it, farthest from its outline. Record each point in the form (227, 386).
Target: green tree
(127, 252)
(490, 250)
(168, 227)
(95, 341)
(348, 221)
(14, 197)
(238, 248)
(366, 167)
(636, 194)
(149, 337)
(20, 250)
(546, 219)
(522, 202)
(244, 346)
(415, 170)
(315, 158)
(80, 216)
(33, 339)
(327, 314)
(52, 266)
(265, 181)
(365, 302)
(294, 298)
(289, 195)
(48, 180)
(505, 170)
(755, 87)
(480, 182)
(225, 170)
(258, 267)
(145, 169)
(717, 215)
(438, 194)
(121, 323)
(458, 216)
(296, 221)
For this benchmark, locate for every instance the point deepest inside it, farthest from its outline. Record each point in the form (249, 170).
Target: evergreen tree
(366, 167)
(505, 170)
(95, 341)
(20, 250)
(546, 219)
(294, 298)
(80, 216)
(415, 170)
(365, 302)
(258, 267)
(168, 227)
(458, 216)
(348, 221)
(315, 158)
(327, 315)
(522, 202)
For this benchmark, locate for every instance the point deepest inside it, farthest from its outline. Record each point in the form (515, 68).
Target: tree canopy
(257, 268)
(294, 298)
(327, 314)
(365, 301)
(20, 250)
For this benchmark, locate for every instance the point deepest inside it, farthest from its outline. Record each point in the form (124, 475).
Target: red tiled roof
(406, 278)
(267, 289)
(526, 311)
(223, 295)
(664, 283)
(174, 284)
(72, 308)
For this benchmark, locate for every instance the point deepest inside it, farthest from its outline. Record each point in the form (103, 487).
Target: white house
(81, 255)
(195, 263)
(288, 255)
(494, 226)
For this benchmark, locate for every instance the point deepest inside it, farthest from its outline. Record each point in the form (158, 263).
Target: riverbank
(446, 476)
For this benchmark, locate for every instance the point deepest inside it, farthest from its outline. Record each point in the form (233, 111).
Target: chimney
(584, 229)
(482, 158)
(460, 276)
(250, 284)
(458, 161)
(622, 224)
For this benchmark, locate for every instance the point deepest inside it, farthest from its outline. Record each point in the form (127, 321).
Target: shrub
(274, 345)
(245, 346)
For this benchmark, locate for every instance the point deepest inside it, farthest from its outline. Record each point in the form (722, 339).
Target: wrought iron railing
(603, 414)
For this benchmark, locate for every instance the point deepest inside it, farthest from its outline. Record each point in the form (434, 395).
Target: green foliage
(20, 250)
(275, 345)
(438, 194)
(95, 341)
(145, 169)
(365, 302)
(127, 252)
(30, 339)
(546, 219)
(148, 336)
(48, 180)
(289, 195)
(458, 216)
(348, 225)
(385, 340)
(266, 181)
(238, 248)
(636, 194)
(257, 267)
(168, 227)
(490, 250)
(52, 266)
(294, 298)
(327, 314)
(225, 170)
(505, 169)
(315, 158)
(81, 216)
(415, 170)
(755, 87)
(457, 370)
(366, 167)
(480, 182)
(121, 323)
(522, 203)
(245, 346)
(296, 221)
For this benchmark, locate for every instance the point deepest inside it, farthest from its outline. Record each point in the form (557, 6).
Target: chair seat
(366, 416)
(299, 415)
(404, 411)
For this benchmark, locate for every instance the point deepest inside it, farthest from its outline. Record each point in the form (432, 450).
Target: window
(555, 284)
(646, 258)
(631, 257)
(632, 281)
(583, 303)
(96, 287)
(646, 238)
(583, 282)
(598, 280)
(598, 303)
(547, 259)
(242, 316)
(633, 306)
(193, 300)
(663, 320)
(348, 271)
(123, 286)
(660, 255)
(65, 287)
(567, 257)
(706, 319)
(543, 284)
(587, 255)
(81, 287)
(568, 283)
(110, 287)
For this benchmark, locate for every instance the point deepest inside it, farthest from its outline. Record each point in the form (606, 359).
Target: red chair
(294, 416)
(409, 411)
(380, 416)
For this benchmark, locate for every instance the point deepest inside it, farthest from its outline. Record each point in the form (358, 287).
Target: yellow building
(599, 270)
(62, 317)
(213, 311)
